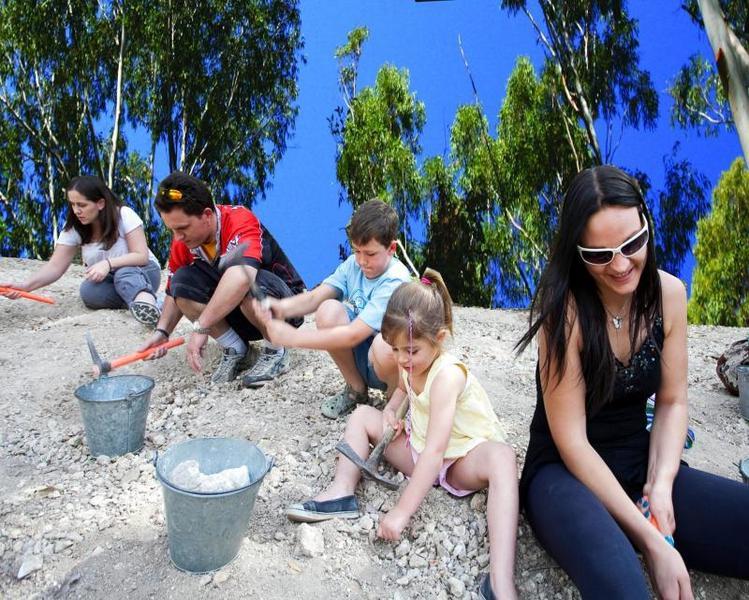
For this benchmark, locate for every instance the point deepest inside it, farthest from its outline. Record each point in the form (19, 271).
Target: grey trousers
(120, 287)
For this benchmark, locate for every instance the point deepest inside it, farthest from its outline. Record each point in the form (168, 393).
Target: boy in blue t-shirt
(349, 306)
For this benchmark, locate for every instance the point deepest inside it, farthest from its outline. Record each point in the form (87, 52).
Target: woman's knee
(91, 295)
(331, 313)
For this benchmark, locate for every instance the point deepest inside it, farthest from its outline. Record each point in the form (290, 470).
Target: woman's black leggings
(712, 530)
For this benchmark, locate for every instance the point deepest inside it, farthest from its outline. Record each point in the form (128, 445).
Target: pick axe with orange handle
(27, 295)
(104, 366)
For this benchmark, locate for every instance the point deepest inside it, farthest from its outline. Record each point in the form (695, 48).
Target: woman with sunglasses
(611, 331)
(121, 271)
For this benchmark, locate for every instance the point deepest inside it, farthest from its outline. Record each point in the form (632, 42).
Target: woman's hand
(661, 505)
(668, 572)
(98, 271)
(392, 524)
(13, 294)
(389, 421)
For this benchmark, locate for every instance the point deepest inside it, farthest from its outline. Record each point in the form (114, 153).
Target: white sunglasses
(603, 256)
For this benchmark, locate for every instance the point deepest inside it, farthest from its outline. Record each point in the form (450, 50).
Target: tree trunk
(118, 105)
(733, 66)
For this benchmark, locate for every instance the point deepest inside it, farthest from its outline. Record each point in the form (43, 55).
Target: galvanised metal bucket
(205, 530)
(114, 411)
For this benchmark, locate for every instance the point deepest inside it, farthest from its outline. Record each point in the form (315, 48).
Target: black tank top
(617, 431)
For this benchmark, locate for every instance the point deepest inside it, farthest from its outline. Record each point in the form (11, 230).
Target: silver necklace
(617, 320)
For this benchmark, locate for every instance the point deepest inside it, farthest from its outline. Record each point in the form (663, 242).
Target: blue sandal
(313, 511)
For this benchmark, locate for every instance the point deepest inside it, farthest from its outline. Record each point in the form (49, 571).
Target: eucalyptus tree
(720, 286)
(55, 83)
(710, 96)
(214, 82)
(594, 49)
(592, 64)
(377, 135)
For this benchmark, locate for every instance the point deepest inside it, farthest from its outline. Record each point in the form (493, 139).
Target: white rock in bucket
(187, 476)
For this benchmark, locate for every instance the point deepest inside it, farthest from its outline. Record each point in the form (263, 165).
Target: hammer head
(101, 367)
(367, 469)
(234, 257)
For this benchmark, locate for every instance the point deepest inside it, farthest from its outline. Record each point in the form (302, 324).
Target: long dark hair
(94, 189)
(566, 277)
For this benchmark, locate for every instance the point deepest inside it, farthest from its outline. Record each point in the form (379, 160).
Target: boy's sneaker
(229, 366)
(270, 365)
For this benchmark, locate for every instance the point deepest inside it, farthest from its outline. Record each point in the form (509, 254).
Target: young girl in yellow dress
(452, 437)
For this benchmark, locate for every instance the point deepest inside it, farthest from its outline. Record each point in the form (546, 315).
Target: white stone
(478, 502)
(403, 548)
(417, 562)
(31, 563)
(310, 540)
(221, 577)
(457, 587)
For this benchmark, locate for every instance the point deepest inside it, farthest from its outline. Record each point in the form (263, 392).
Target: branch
(540, 33)
(568, 133)
(490, 154)
(33, 133)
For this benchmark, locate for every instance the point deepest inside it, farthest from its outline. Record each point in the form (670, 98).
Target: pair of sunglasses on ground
(603, 256)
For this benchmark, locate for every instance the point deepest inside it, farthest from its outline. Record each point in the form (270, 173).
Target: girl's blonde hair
(424, 305)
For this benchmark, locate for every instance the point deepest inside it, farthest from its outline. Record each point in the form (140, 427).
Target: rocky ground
(74, 526)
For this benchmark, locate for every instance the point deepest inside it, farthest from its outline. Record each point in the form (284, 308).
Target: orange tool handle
(131, 358)
(27, 295)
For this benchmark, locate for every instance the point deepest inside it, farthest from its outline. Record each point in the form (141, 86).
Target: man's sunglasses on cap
(603, 256)
(171, 194)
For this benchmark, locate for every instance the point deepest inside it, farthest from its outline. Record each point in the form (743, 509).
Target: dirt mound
(88, 528)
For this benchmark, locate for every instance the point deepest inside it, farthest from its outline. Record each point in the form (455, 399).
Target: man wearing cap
(217, 302)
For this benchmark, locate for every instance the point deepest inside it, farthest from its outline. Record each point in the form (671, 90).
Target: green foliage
(491, 206)
(699, 99)
(594, 50)
(676, 219)
(378, 144)
(592, 74)
(540, 148)
(720, 281)
(214, 82)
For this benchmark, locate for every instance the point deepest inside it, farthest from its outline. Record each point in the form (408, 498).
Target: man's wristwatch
(196, 328)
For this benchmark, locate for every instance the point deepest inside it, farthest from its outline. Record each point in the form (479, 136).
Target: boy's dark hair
(183, 191)
(373, 220)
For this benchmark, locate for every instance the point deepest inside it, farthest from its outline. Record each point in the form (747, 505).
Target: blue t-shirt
(367, 298)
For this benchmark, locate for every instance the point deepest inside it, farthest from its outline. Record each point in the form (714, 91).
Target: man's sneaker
(270, 365)
(229, 366)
